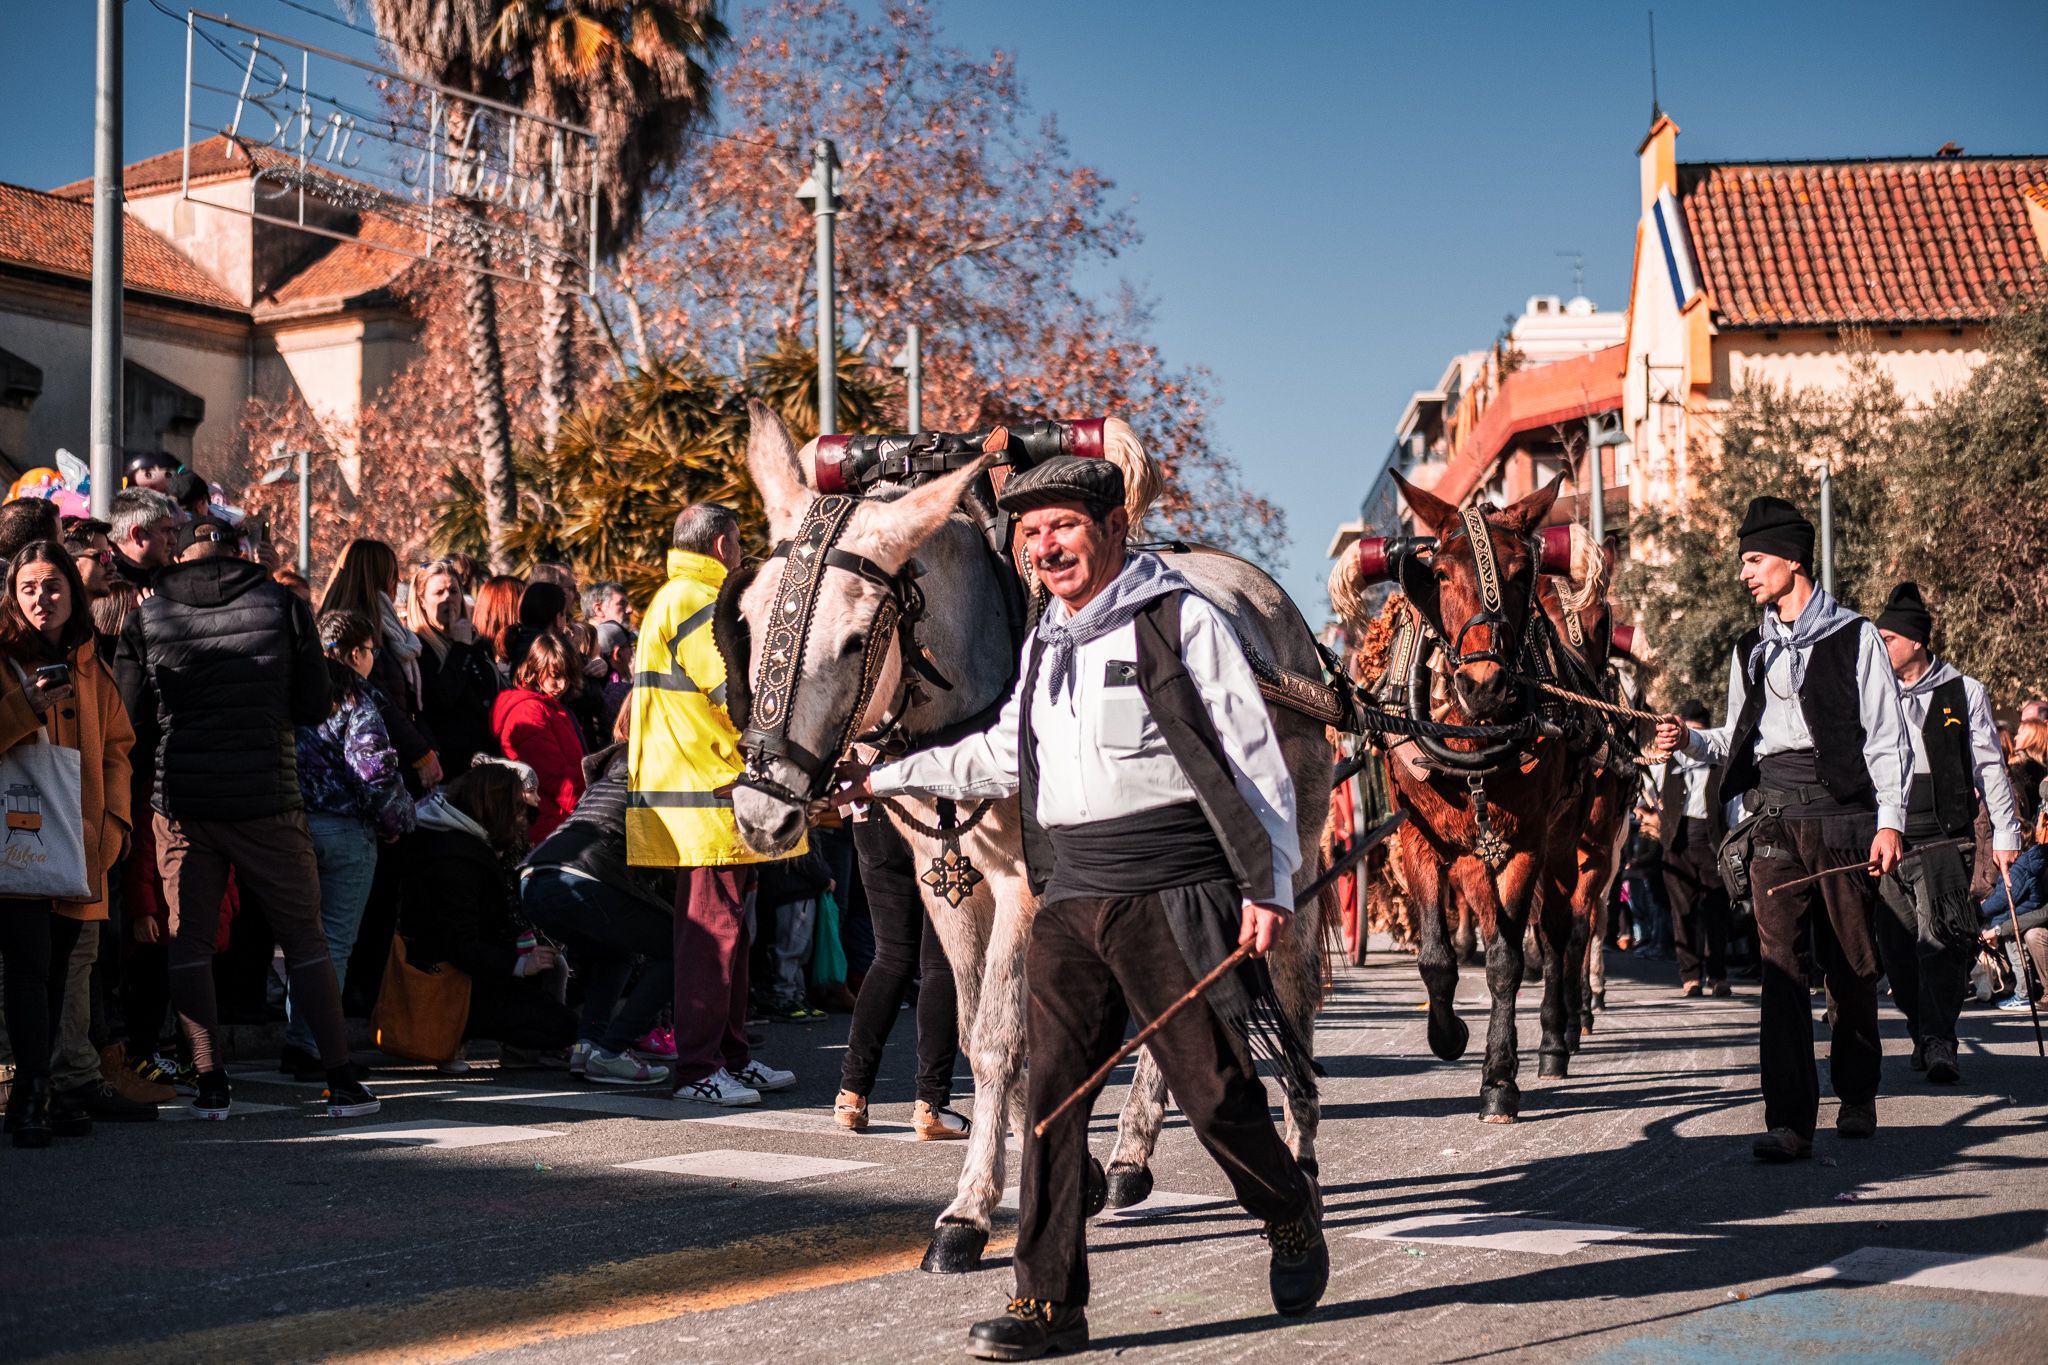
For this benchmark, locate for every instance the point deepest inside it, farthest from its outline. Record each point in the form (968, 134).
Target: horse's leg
(1500, 1099)
(1556, 916)
(1429, 889)
(1298, 981)
(1137, 1132)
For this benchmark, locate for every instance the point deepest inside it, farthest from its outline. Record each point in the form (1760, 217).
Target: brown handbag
(421, 1012)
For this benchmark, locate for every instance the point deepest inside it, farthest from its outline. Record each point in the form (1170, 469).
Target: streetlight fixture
(817, 193)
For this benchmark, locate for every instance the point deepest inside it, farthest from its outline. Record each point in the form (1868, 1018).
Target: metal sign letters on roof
(337, 144)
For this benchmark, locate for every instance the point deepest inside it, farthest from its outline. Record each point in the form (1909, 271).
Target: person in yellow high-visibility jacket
(682, 750)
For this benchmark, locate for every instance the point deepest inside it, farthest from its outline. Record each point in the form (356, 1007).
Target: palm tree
(446, 42)
(786, 379)
(632, 71)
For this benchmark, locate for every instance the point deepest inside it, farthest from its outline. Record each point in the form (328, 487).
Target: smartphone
(51, 676)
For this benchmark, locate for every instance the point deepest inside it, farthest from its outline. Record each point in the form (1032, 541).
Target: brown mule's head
(1477, 595)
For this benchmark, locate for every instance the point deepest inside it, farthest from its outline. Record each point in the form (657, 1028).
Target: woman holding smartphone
(458, 682)
(52, 682)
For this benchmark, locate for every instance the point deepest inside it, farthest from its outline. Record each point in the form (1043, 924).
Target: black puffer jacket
(228, 662)
(592, 840)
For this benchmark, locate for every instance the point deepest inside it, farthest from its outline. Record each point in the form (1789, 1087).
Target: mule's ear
(771, 461)
(1432, 511)
(1526, 515)
(894, 529)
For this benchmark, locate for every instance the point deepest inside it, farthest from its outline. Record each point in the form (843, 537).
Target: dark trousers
(1838, 910)
(710, 942)
(907, 950)
(35, 956)
(278, 875)
(604, 929)
(1927, 975)
(145, 996)
(1093, 965)
(1699, 904)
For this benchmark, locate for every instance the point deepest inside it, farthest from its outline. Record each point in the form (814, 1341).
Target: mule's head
(830, 677)
(1480, 621)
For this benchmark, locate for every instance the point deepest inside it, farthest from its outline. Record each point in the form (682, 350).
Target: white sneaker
(621, 1069)
(718, 1088)
(765, 1078)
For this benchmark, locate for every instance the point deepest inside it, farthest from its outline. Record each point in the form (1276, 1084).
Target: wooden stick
(1911, 854)
(1144, 1034)
(2019, 944)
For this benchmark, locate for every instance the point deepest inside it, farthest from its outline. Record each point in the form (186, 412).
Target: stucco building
(218, 307)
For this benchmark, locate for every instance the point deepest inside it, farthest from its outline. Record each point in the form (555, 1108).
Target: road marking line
(461, 1324)
(1152, 1205)
(771, 1168)
(1496, 1232)
(444, 1134)
(179, 1110)
(2025, 1275)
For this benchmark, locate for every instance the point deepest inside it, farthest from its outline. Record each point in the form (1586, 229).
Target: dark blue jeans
(604, 929)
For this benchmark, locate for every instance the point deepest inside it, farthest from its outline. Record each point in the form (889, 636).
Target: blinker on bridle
(786, 636)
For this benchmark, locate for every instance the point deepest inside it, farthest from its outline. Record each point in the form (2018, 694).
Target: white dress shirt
(1695, 775)
(1100, 755)
(1987, 760)
(1781, 729)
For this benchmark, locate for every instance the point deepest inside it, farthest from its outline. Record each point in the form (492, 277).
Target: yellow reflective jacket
(683, 747)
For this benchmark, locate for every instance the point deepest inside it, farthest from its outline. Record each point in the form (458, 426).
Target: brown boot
(114, 1070)
(850, 1111)
(937, 1125)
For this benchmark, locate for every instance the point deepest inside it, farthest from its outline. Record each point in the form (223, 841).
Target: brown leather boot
(114, 1070)
(850, 1111)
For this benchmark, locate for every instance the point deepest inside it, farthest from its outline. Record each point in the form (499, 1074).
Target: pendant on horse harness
(1487, 846)
(952, 874)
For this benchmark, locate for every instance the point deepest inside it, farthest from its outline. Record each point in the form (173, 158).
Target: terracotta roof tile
(214, 159)
(45, 232)
(353, 269)
(1942, 239)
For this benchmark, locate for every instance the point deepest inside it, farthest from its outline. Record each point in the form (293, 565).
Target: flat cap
(1098, 485)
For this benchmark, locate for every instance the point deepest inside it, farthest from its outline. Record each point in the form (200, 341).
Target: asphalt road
(514, 1217)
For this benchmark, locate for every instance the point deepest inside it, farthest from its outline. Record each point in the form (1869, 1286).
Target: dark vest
(1176, 707)
(1671, 804)
(1834, 717)
(1945, 735)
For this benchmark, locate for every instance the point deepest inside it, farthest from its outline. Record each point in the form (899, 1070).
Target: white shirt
(1695, 775)
(1781, 729)
(1986, 758)
(1100, 755)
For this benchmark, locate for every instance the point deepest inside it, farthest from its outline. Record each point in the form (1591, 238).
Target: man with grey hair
(683, 754)
(606, 601)
(145, 530)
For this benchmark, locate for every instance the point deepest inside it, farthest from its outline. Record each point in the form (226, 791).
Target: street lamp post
(106, 265)
(819, 194)
(1827, 529)
(282, 464)
(910, 363)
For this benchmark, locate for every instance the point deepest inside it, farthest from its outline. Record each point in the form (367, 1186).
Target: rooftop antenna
(1578, 271)
(1656, 109)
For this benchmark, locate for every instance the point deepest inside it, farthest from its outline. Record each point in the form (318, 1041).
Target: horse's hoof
(955, 1249)
(1129, 1185)
(1600, 1000)
(1586, 1020)
(1499, 1103)
(1553, 1064)
(1094, 1190)
(1448, 1040)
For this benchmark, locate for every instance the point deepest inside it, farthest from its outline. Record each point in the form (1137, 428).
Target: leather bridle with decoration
(770, 701)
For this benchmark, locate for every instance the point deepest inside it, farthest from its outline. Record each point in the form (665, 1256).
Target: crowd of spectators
(277, 781)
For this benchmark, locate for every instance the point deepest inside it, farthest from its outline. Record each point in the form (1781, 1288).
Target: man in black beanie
(1816, 742)
(1691, 823)
(1926, 926)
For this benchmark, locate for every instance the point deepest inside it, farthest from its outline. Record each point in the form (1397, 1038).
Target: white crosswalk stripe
(771, 1168)
(1496, 1232)
(2022, 1275)
(444, 1134)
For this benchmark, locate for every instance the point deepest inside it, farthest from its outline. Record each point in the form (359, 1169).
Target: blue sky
(1335, 197)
